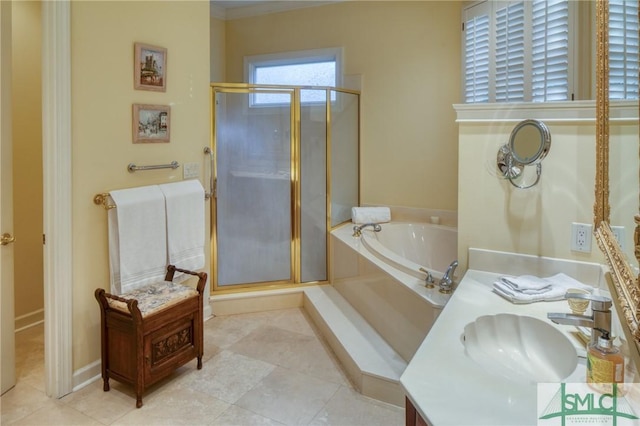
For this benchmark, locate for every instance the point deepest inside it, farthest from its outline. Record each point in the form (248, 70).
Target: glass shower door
(253, 212)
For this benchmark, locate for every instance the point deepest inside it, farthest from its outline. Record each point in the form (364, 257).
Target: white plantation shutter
(517, 51)
(476, 55)
(550, 51)
(510, 53)
(623, 49)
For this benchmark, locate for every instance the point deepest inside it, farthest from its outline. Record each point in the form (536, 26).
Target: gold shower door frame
(295, 184)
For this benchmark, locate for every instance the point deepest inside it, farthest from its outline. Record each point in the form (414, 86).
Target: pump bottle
(605, 364)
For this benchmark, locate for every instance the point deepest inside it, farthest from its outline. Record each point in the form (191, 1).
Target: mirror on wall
(617, 167)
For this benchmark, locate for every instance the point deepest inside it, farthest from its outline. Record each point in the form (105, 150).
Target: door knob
(6, 238)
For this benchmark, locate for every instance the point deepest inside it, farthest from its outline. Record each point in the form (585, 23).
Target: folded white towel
(370, 214)
(557, 287)
(137, 238)
(185, 223)
(526, 282)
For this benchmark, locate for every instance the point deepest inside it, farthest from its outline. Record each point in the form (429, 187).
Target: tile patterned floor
(266, 368)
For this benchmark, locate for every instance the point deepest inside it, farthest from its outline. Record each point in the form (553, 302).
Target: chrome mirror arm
(538, 174)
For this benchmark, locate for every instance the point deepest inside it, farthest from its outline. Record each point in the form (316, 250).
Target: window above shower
(307, 68)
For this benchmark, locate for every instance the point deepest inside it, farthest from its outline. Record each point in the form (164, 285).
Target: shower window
(319, 67)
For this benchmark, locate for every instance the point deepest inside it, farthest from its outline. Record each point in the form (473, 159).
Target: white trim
(87, 375)
(221, 11)
(29, 320)
(56, 142)
(565, 111)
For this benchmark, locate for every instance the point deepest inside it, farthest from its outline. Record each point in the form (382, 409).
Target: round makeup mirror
(528, 144)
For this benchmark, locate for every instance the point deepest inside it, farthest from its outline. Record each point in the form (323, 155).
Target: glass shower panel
(344, 156)
(253, 205)
(313, 182)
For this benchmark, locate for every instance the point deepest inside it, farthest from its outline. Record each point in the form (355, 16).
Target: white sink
(520, 348)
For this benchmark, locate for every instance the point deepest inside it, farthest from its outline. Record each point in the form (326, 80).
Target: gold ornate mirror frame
(622, 276)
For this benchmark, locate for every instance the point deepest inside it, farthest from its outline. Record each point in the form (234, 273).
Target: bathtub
(379, 275)
(410, 247)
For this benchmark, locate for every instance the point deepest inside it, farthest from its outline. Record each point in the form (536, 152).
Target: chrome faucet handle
(428, 279)
(598, 303)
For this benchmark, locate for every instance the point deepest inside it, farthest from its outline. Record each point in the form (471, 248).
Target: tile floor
(267, 368)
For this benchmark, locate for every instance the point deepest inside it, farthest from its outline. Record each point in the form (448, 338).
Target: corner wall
(407, 56)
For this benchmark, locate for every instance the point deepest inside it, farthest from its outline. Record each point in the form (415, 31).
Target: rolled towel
(557, 287)
(370, 214)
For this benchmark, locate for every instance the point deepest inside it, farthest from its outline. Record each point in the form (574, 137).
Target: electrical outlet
(581, 237)
(190, 170)
(618, 232)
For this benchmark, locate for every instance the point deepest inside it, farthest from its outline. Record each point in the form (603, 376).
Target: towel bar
(133, 168)
(103, 200)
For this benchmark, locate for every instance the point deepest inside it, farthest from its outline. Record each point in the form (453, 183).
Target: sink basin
(520, 348)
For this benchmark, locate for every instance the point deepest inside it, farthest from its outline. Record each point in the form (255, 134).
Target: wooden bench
(149, 332)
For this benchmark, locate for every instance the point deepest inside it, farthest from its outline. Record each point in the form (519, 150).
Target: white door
(7, 341)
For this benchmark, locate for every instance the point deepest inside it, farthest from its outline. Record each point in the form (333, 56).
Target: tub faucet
(428, 280)
(446, 283)
(599, 321)
(357, 230)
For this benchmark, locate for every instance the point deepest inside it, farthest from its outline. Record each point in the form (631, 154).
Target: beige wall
(103, 36)
(217, 41)
(408, 57)
(27, 160)
(495, 215)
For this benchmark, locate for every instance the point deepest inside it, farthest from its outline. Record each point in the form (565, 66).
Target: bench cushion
(154, 297)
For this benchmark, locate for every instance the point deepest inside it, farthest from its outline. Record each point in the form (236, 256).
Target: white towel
(137, 238)
(557, 288)
(526, 283)
(185, 223)
(370, 214)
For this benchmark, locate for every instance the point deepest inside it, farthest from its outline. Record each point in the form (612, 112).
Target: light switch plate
(190, 170)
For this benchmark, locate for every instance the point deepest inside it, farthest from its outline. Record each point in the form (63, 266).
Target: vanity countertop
(449, 388)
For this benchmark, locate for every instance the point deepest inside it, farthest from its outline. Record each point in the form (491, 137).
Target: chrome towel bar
(133, 168)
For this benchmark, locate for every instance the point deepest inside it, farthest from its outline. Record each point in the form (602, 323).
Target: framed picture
(150, 68)
(151, 123)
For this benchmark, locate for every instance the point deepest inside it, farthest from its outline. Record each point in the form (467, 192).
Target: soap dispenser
(605, 364)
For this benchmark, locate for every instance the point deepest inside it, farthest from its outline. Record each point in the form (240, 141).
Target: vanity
(445, 386)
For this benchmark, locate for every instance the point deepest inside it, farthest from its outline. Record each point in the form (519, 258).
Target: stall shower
(286, 167)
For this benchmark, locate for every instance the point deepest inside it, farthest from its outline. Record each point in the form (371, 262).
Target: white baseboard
(29, 320)
(87, 375)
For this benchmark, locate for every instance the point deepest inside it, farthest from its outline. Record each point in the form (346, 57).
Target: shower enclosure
(286, 167)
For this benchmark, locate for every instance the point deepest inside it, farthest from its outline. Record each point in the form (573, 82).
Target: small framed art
(150, 67)
(151, 123)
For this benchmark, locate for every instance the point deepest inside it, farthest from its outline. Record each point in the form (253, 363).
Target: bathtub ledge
(433, 296)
